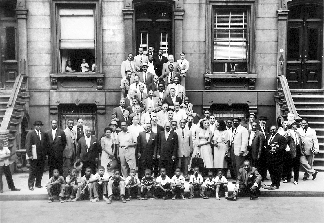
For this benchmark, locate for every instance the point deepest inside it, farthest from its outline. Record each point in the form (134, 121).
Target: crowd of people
(156, 146)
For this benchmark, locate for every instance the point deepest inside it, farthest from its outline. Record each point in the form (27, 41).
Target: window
(230, 40)
(10, 43)
(76, 36)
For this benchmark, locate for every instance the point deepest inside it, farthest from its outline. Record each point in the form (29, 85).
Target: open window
(77, 37)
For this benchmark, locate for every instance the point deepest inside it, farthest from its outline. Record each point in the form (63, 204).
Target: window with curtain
(77, 39)
(230, 40)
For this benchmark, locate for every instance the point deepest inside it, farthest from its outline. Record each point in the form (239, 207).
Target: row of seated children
(116, 187)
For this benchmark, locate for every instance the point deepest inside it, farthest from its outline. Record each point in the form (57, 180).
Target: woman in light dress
(221, 141)
(202, 141)
(107, 155)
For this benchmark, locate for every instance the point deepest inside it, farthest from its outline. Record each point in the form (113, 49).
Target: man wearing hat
(145, 76)
(36, 153)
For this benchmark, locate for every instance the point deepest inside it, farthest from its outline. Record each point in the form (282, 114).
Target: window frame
(55, 30)
(213, 5)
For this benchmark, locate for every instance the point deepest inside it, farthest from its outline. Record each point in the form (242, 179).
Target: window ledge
(88, 75)
(251, 77)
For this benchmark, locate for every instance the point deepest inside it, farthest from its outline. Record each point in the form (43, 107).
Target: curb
(29, 197)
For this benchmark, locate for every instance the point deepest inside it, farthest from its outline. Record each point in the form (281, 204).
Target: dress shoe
(39, 186)
(285, 181)
(31, 188)
(15, 189)
(305, 178)
(295, 182)
(271, 188)
(314, 175)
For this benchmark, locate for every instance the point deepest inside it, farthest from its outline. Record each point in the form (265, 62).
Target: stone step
(307, 91)
(310, 104)
(318, 162)
(308, 98)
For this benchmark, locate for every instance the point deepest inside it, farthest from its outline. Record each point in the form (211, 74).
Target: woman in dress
(221, 145)
(203, 139)
(107, 155)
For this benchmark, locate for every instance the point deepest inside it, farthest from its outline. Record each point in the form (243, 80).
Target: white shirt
(184, 65)
(4, 152)
(53, 133)
(166, 134)
(196, 180)
(178, 180)
(147, 135)
(159, 180)
(88, 141)
(178, 115)
(150, 102)
(251, 137)
(135, 130)
(39, 134)
(222, 180)
(151, 67)
(161, 94)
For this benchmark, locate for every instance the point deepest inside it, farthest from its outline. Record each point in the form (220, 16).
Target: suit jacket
(309, 140)
(33, 139)
(149, 78)
(119, 114)
(147, 149)
(165, 68)
(185, 142)
(139, 60)
(276, 158)
(250, 177)
(180, 90)
(294, 143)
(127, 65)
(55, 147)
(88, 154)
(240, 141)
(168, 147)
(169, 101)
(69, 151)
(159, 64)
(256, 147)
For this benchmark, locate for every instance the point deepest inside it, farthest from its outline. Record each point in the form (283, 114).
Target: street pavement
(313, 188)
(264, 209)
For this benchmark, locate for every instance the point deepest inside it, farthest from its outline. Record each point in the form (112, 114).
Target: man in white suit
(128, 64)
(70, 148)
(140, 59)
(185, 147)
(239, 140)
(311, 147)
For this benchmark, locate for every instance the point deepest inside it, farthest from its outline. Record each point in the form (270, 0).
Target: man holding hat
(36, 153)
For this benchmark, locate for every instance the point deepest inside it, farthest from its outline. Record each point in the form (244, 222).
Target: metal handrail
(15, 90)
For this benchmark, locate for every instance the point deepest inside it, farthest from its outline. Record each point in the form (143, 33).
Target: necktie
(130, 64)
(189, 125)
(182, 133)
(145, 77)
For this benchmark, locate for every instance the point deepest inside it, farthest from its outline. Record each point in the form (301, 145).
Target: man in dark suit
(118, 111)
(146, 149)
(170, 99)
(88, 149)
(276, 145)
(55, 141)
(35, 141)
(159, 61)
(255, 145)
(167, 149)
(263, 157)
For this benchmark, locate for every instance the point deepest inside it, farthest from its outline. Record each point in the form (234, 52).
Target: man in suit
(183, 68)
(35, 141)
(231, 166)
(185, 146)
(172, 98)
(255, 145)
(159, 61)
(140, 59)
(162, 115)
(169, 74)
(239, 144)
(55, 141)
(145, 76)
(146, 149)
(263, 157)
(166, 70)
(88, 149)
(150, 101)
(125, 83)
(180, 91)
(161, 93)
(310, 148)
(141, 95)
(69, 151)
(134, 88)
(167, 149)
(154, 85)
(119, 111)
(276, 145)
(79, 130)
(128, 64)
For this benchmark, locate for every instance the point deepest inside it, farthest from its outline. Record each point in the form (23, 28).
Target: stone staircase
(310, 105)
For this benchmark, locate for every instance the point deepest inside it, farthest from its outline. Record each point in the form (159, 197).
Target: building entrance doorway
(305, 45)
(153, 26)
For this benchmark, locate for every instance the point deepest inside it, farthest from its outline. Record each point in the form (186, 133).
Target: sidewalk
(309, 188)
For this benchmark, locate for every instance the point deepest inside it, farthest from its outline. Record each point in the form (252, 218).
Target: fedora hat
(38, 123)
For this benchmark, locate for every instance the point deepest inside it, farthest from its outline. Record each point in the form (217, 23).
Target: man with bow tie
(88, 149)
(183, 67)
(55, 141)
(309, 149)
(69, 151)
(36, 152)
